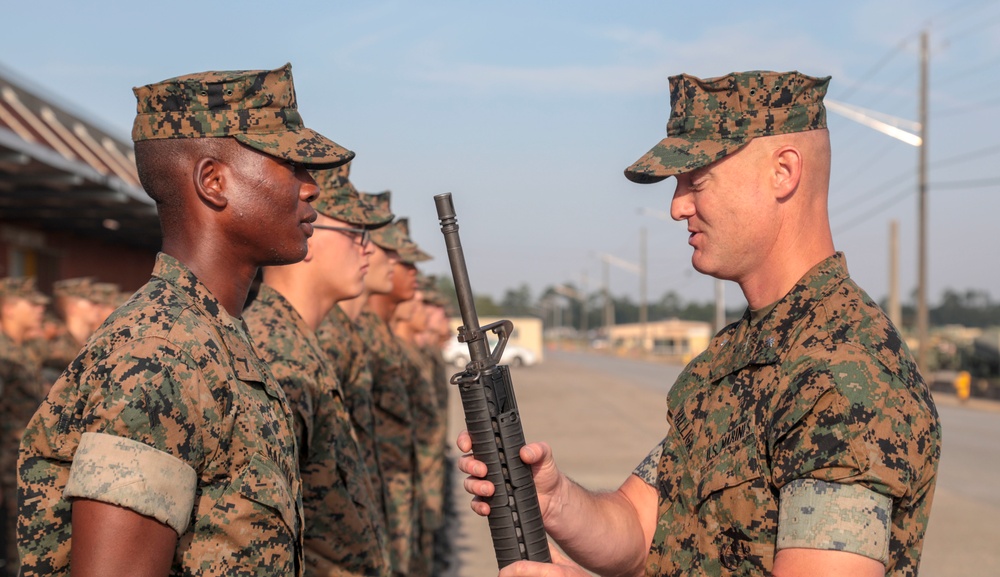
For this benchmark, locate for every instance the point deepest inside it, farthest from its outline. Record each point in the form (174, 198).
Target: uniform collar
(244, 360)
(273, 300)
(742, 344)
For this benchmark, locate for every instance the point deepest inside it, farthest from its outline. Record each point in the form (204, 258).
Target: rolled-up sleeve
(133, 475)
(818, 515)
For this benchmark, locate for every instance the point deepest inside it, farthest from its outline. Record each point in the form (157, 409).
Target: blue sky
(529, 112)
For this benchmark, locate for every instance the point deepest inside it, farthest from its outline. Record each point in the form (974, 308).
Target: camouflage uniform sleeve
(133, 475)
(843, 449)
(149, 406)
(815, 514)
(647, 469)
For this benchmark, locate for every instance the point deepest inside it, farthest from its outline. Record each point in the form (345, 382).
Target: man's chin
(277, 259)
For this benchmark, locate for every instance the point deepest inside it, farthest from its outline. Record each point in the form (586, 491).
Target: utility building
(70, 200)
(673, 339)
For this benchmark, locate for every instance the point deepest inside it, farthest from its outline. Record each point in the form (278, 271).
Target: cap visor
(673, 156)
(411, 254)
(303, 146)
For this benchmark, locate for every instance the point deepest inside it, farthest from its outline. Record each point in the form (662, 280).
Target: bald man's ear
(787, 174)
(210, 182)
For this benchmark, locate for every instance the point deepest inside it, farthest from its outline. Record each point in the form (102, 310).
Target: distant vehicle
(457, 354)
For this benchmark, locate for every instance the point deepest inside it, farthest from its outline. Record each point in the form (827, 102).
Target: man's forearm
(602, 531)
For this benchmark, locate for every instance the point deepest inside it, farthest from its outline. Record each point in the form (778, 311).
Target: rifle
(491, 417)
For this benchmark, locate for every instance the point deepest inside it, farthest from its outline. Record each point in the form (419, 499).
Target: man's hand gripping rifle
(491, 417)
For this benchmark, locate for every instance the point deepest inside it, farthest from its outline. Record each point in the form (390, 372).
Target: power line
(977, 68)
(875, 211)
(945, 185)
(975, 28)
(941, 21)
(872, 159)
(954, 11)
(881, 189)
(966, 157)
(878, 66)
(972, 183)
(874, 192)
(966, 108)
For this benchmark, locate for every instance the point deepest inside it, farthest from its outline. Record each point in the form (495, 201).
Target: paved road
(601, 415)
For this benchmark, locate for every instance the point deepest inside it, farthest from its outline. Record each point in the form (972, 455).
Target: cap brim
(303, 146)
(387, 238)
(38, 299)
(673, 156)
(377, 218)
(410, 253)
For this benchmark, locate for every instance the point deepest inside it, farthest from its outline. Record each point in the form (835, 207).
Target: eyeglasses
(361, 236)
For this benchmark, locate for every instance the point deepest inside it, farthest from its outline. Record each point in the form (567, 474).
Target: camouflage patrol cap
(409, 253)
(106, 293)
(81, 287)
(22, 287)
(340, 200)
(712, 118)
(387, 237)
(256, 107)
(428, 284)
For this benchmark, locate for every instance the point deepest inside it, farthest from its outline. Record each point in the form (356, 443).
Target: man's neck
(403, 330)
(383, 306)
(79, 329)
(353, 307)
(229, 283)
(771, 283)
(311, 305)
(13, 332)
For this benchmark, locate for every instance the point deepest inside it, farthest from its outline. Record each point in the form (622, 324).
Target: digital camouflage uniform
(21, 391)
(344, 531)
(22, 388)
(59, 352)
(394, 437)
(429, 446)
(811, 428)
(169, 413)
(64, 348)
(337, 335)
(440, 379)
(339, 339)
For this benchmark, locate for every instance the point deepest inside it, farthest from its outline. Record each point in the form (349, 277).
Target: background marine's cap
(22, 287)
(387, 237)
(106, 293)
(340, 200)
(712, 118)
(256, 107)
(409, 253)
(81, 287)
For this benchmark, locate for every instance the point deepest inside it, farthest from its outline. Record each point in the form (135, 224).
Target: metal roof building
(70, 200)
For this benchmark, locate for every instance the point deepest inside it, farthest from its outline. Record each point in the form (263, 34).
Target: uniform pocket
(395, 402)
(734, 499)
(263, 482)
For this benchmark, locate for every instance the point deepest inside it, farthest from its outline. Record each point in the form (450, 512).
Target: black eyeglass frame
(361, 236)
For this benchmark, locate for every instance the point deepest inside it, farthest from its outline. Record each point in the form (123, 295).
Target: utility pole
(633, 268)
(922, 316)
(895, 310)
(891, 126)
(584, 313)
(609, 309)
(643, 306)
